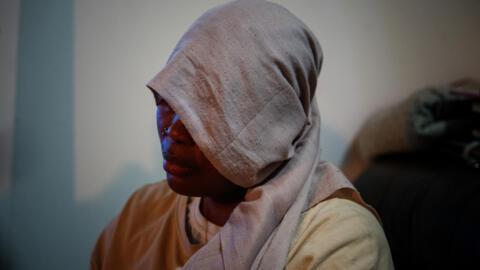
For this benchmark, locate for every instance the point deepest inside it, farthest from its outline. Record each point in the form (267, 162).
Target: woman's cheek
(200, 159)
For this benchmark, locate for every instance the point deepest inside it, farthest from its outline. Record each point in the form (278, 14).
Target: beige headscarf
(242, 80)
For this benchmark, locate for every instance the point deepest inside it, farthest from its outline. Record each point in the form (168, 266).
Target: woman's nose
(177, 132)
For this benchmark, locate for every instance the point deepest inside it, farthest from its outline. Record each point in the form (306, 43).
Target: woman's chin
(182, 185)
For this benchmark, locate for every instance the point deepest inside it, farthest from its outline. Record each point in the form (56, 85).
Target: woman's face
(188, 171)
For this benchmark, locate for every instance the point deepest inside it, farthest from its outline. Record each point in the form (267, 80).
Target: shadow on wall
(66, 241)
(94, 215)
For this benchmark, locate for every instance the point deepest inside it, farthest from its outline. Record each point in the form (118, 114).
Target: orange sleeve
(103, 243)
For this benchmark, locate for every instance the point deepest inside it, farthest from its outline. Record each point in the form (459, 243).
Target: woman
(245, 186)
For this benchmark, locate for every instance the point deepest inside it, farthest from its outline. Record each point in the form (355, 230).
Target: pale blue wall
(42, 221)
(42, 226)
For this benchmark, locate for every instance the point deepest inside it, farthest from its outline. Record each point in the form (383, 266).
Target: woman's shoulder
(339, 234)
(148, 211)
(146, 204)
(149, 203)
(152, 193)
(339, 211)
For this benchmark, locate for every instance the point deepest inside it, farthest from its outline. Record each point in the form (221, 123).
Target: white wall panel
(375, 53)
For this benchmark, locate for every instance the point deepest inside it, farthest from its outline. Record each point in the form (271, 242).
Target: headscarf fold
(242, 80)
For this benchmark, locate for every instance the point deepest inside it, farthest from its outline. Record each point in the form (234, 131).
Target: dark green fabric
(447, 118)
(438, 114)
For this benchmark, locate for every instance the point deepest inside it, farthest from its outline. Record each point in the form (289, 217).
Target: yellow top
(339, 234)
(149, 233)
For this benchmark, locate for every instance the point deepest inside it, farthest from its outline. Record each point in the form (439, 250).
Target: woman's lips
(175, 169)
